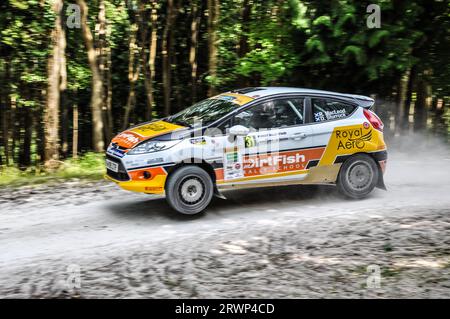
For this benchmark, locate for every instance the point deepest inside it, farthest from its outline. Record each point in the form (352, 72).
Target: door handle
(299, 136)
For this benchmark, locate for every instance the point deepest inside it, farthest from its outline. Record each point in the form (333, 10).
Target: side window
(225, 126)
(327, 109)
(299, 106)
(272, 114)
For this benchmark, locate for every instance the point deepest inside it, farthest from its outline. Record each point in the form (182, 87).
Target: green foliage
(272, 54)
(356, 52)
(89, 166)
(322, 21)
(322, 44)
(376, 37)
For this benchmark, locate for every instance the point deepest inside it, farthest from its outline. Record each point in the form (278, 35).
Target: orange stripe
(219, 174)
(138, 175)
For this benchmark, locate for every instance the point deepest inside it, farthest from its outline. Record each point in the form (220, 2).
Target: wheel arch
(376, 158)
(194, 162)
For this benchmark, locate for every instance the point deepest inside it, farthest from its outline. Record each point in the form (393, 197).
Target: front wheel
(358, 176)
(189, 190)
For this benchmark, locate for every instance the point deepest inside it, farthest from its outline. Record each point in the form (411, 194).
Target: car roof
(258, 92)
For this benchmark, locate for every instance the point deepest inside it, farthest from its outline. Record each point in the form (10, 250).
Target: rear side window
(327, 109)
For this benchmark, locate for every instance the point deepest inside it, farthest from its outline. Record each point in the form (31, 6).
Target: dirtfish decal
(275, 160)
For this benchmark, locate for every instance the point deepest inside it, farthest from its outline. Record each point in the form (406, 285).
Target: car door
(277, 147)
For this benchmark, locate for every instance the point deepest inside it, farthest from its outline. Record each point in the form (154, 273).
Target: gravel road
(92, 240)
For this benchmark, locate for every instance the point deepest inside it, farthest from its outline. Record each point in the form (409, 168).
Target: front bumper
(153, 186)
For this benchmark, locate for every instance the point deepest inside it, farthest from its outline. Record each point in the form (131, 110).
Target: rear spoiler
(363, 101)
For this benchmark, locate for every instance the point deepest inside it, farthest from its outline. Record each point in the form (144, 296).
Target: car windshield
(204, 112)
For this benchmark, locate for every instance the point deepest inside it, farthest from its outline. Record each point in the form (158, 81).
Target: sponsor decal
(127, 139)
(115, 152)
(239, 99)
(154, 189)
(268, 137)
(275, 160)
(155, 160)
(233, 164)
(335, 114)
(319, 117)
(155, 128)
(352, 138)
(347, 140)
(329, 115)
(226, 98)
(130, 138)
(250, 141)
(236, 166)
(198, 141)
(280, 162)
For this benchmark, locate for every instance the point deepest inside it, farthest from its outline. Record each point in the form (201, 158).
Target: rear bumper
(380, 155)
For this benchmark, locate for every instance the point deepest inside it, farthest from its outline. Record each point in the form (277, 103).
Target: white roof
(267, 91)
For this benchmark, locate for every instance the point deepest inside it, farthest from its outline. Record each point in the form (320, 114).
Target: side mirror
(239, 130)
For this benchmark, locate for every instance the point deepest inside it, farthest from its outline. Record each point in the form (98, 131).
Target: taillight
(374, 120)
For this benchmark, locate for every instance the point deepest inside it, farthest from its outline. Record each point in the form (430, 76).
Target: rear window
(327, 109)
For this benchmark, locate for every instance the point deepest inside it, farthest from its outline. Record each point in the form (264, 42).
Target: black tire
(189, 190)
(358, 176)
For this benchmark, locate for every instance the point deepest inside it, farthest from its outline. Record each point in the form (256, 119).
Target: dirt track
(291, 242)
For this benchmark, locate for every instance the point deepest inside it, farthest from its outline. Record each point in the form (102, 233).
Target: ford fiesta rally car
(253, 137)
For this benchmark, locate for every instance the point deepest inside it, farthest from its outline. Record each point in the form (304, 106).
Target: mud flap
(380, 183)
(218, 194)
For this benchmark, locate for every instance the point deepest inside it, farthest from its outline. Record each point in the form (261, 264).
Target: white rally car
(253, 137)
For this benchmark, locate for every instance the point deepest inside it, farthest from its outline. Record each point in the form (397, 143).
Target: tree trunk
(64, 129)
(145, 63)
(40, 129)
(195, 24)
(5, 128)
(423, 102)
(408, 98)
(103, 56)
(25, 154)
(5, 111)
(400, 99)
(167, 56)
(63, 87)
(213, 18)
(15, 130)
(133, 75)
(109, 116)
(243, 46)
(97, 83)
(75, 127)
(54, 66)
(152, 58)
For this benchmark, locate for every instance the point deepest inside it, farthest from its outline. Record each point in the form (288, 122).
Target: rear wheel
(189, 190)
(358, 176)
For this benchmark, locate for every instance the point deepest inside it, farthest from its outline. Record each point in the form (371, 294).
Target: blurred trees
(66, 88)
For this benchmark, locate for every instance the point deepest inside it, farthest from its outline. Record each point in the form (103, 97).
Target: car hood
(135, 135)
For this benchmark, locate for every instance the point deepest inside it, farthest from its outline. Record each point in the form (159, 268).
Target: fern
(357, 52)
(376, 37)
(323, 20)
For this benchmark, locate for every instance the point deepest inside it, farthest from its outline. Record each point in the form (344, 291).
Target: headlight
(152, 146)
